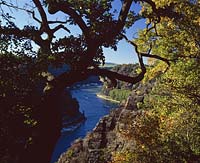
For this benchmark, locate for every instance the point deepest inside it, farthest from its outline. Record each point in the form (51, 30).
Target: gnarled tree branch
(43, 15)
(69, 78)
(119, 24)
(60, 27)
(122, 17)
(67, 8)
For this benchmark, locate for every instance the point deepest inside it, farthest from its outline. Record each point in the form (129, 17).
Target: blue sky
(125, 52)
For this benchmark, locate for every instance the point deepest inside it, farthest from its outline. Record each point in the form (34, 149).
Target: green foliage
(123, 157)
(19, 98)
(168, 129)
(125, 69)
(70, 153)
(119, 94)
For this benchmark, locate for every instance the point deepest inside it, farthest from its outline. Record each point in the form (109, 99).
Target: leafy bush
(168, 128)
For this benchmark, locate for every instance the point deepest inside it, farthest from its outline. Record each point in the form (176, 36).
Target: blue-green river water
(93, 107)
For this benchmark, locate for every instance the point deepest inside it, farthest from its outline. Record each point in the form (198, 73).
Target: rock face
(71, 114)
(111, 133)
(107, 137)
(137, 95)
(69, 105)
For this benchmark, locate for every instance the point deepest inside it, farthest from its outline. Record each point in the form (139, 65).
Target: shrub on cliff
(176, 101)
(168, 130)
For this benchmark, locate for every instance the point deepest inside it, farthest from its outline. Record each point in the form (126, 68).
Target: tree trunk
(47, 133)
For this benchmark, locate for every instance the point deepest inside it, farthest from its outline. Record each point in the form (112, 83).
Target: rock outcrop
(107, 138)
(137, 95)
(70, 110)
(111, 133)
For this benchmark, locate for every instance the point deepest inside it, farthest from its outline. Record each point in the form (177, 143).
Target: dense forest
(166, 122)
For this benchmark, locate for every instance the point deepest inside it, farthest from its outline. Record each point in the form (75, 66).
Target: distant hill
(109, 65)
(123, 89)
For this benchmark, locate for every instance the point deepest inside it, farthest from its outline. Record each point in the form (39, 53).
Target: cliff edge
(111, 134)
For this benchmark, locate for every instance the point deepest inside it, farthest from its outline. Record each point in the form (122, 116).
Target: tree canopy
(172, 34)
(99, 24)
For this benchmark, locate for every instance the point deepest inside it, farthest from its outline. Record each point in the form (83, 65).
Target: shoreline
(106, 98)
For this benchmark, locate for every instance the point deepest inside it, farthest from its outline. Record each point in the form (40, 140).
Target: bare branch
(34, 17)
(43, 15)
(57, 22)
(119, 25)
(66, 8)
(146, 54)
(156, 57)
(114, 75)
(22, 9)
(60, 27)
(149, 29)
(69, 78)
(123, 15)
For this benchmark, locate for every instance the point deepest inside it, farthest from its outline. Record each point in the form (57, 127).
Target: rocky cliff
(69, 106)
(111, 134)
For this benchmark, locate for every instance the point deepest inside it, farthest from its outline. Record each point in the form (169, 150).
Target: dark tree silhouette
(83, 53)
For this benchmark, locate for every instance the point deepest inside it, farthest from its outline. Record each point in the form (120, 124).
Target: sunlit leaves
(174, 103)
(168, 131)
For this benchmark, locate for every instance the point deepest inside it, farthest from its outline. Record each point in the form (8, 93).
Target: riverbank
(107, 98)
(93, 107)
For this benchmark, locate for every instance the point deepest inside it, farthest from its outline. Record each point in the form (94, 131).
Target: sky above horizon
(125, 52)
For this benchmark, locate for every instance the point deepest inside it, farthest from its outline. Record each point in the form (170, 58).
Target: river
(93, 107)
